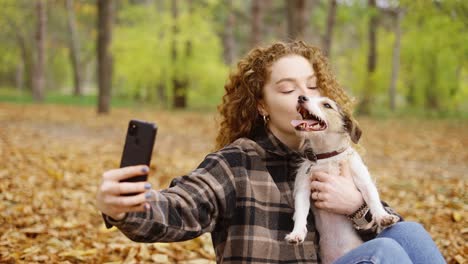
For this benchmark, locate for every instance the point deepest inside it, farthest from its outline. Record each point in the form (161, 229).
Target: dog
(326, 129)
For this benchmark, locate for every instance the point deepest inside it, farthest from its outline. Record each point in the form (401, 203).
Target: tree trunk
(161, 85)
(431, 98)
(74, 49)
(161, 91)
(395, 60)
(368, 89)
(458, 73)
(228, 34)
(178, 82)
(410, 97)
(105, 61)
(327, 41)
(39, 64)
(26, 60)
(256, 23)
(296, 14)
(19, 78)
(372, 56)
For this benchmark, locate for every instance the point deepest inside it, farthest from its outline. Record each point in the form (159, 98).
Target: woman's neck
(290, 140)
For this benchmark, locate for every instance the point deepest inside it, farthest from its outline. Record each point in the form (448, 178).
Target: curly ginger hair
(244, 89)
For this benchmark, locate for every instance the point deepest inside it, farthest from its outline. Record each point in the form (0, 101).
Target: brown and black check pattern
(243, 195)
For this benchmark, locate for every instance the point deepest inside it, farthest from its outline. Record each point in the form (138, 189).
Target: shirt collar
(270, 143)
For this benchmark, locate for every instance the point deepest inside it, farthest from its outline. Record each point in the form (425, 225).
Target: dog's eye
(327, 105)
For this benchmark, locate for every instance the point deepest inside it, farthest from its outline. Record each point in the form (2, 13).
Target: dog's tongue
(296, 123)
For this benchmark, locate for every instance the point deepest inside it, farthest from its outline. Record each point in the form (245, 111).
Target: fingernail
(147, 206)
(145, 169)
(147, 186)
(148, 195)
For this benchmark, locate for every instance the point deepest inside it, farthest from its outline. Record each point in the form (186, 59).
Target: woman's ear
(262, 109)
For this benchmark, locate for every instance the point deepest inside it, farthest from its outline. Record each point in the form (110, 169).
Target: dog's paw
(295, 237)
(386, 221)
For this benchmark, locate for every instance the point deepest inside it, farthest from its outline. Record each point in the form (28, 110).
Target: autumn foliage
(52, 159)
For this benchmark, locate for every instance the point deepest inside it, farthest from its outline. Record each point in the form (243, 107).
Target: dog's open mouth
(309, 122)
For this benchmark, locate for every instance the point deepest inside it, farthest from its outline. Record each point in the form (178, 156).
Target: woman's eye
(327, 105)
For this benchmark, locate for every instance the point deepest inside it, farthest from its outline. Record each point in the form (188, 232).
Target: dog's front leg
(301, 208)
(366, 186)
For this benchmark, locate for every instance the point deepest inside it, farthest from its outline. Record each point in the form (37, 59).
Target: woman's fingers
(318, 186)
(125, 173)
(112, 196)
(319, 189)
(125, 202)
(320, 196)
(133, 187)
(119, 188)
(320, 176)
(322, 205)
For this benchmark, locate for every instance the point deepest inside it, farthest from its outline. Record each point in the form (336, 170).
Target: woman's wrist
(361, 218)
(356, 202)
(358, 213)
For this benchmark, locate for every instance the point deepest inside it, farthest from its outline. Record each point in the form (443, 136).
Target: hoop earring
(266, 119)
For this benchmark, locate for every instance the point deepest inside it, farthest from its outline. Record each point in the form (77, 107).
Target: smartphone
(138, 147)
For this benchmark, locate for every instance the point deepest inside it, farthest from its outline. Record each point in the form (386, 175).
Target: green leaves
(433, 53)
(433, 57)
(143, 53)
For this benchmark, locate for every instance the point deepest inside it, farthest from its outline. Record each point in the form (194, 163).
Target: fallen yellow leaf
(457, 216)
(159, 258)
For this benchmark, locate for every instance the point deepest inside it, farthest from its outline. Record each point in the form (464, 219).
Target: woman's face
(290, 77)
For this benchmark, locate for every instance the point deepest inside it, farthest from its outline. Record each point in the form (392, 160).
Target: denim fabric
(404, 242)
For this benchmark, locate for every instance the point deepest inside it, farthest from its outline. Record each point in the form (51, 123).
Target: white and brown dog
(327, 130)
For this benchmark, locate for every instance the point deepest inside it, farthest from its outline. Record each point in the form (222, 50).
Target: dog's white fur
(337, 234)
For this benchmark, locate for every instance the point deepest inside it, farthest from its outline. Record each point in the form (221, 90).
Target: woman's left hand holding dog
(336, 193)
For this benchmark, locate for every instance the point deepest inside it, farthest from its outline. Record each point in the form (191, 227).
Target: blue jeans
(404, 242)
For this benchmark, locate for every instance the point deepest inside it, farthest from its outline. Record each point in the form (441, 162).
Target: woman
(242, 193)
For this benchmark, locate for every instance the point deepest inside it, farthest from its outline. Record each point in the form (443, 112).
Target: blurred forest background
(73, 72)
(399, 56)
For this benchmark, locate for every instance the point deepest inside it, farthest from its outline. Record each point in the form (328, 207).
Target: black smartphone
(138, 147)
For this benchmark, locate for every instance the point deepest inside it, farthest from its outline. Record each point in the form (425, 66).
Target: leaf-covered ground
(52, 159)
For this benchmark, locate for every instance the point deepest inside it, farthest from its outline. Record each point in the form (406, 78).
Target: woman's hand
(336, 193)
(110, 198)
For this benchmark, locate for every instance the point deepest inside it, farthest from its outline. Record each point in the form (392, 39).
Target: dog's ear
(352, 128)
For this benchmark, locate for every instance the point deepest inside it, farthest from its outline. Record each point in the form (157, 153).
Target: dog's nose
(302, 99)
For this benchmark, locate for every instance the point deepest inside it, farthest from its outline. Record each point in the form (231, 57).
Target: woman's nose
(302, 99)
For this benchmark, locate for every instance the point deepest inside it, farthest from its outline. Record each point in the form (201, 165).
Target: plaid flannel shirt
(241, 194)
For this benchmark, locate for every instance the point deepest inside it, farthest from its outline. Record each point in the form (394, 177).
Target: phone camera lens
(132, 129)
